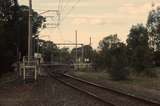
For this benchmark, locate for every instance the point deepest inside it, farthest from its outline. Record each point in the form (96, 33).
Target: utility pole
(82, 53)
(153, 4)
(30, 30)
(90, 41)
(76, 44)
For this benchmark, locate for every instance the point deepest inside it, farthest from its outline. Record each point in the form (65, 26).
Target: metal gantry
(74, 44)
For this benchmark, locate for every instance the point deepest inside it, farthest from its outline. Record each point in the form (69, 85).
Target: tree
(138, 36)
(113, 57)
(119, 62)
(105, 45)
(48, 49)
(22, 27)
(137, 43)
(153, 26)
(108, 42)
(14, 31)
(8, 17)
(65, 56)
(51, 53)
(73, 53)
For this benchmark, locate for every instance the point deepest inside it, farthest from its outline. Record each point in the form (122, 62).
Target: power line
(61, 7)
(66, 4)
(70, 10)
(60, 4)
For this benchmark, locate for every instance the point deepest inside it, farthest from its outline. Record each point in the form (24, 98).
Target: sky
(92, 18)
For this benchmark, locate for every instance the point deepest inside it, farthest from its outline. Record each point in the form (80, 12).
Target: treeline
(138, 55)
(53, 54)
(14, 32)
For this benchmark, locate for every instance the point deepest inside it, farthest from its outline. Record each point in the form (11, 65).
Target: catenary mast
(30, 54)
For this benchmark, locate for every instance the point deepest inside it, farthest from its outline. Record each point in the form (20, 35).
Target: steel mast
(30, 54)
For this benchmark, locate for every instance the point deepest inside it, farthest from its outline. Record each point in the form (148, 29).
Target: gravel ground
(44, 92)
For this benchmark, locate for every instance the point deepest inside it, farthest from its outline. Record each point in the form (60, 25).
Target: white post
(20, 70)
(24, 73)
(35, 74)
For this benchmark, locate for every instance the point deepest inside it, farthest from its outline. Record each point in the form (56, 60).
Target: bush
(121, 74)
(119, 71)
(157, 58)
(150, 73)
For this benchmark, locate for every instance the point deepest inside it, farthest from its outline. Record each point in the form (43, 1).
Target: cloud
(90, 20)
(103, 19)
(125, 14)
(135, 9)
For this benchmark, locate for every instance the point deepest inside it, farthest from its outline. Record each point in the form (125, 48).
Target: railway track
(106, 95)
(79, 89)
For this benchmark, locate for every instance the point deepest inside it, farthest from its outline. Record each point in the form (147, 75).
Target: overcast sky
(95, 18)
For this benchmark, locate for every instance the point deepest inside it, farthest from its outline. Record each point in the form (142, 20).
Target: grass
(7, 77)
(141, 81)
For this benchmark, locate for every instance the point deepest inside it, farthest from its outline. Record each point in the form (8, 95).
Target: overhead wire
(72, 8)
(60, 9)
(65, 5)
(60, 5)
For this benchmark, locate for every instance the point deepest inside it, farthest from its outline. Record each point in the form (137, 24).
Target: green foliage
(99, 60)
(65, 56)
(119, 62)
(48, 49)
(156, 58)
(51, 53)
(8, 15)
(138, 36)
(104, 56)
(137, 43)
(153, 26)
(142, 59)
(22, 27)
(108, 42)
(113, 57)
(14, 31)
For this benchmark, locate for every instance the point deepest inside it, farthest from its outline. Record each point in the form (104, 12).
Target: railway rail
(106, 95)
(82, 90)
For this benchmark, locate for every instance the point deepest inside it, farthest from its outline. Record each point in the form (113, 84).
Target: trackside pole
(29, 67)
